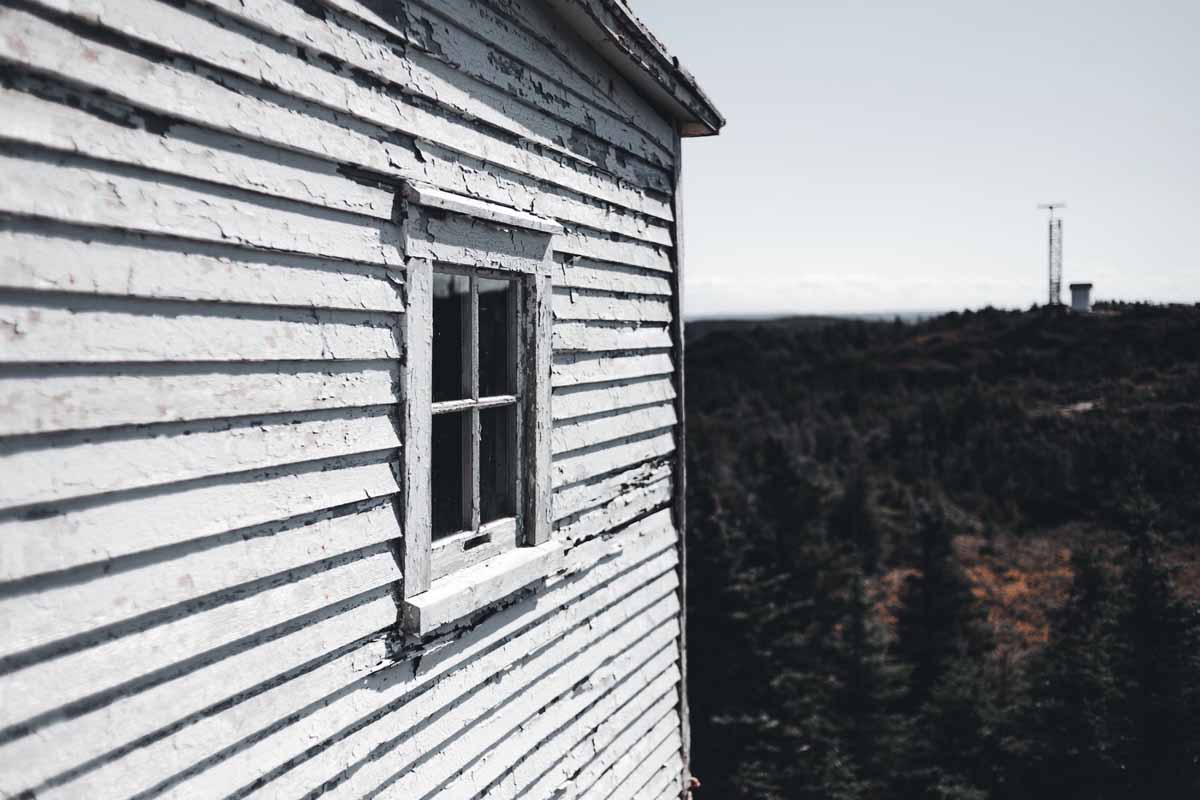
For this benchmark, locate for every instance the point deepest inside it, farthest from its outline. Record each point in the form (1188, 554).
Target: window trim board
(533, 337)
(469, 591)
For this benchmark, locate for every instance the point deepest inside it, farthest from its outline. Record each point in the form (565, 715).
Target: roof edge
(628, 45)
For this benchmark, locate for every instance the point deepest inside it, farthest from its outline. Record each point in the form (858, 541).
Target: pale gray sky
(890, 156)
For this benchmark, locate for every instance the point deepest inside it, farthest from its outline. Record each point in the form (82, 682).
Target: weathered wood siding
(202, 291)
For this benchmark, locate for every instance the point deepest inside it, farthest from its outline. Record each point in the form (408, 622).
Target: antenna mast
(1055, 254)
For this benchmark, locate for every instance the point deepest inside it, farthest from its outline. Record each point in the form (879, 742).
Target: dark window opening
(476, 406)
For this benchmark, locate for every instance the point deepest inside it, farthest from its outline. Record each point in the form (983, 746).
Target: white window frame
(443, 581)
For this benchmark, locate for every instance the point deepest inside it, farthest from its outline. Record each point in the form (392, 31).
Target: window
(476, 405)
(475, 482)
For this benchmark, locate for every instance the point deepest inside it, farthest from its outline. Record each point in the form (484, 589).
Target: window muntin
(476, 430)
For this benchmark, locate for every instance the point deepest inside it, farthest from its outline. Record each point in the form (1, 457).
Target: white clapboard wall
(201, 320)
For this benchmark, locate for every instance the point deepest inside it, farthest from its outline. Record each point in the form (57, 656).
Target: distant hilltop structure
(1081, 297)
(1054, 255)
(1081, 293)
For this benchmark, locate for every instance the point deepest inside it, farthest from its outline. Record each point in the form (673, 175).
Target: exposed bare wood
(531, 36)
(592, 305)
(219, 226)
(417, 461)
(537, 480)
(165, 89)
(96, 261)
(489, 212)
(594, 462)
(77, 190)
(376, 719)
(259, 63)
(626, 507)
(81, 123)
(552, 762)
(529, 736)
(601, 492)
(679, 504)
(585, 337)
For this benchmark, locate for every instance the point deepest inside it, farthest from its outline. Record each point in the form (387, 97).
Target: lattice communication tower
(1055, 254)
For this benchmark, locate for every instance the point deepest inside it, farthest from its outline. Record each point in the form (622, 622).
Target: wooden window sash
(424, 560)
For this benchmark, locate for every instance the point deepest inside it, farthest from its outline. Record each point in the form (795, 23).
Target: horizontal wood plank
(104, 262)
(594, 462)
(593, 398)
(253, 62)
(471, 728)
(532, 39)
(582, 273)
(87, 464)
(456, 71)
(85, 192)
(376, 717)
(584, 337)
(552, 761)
(640, 742)
(595, 430)
(91, 331)
(561, 710)
(78, 121)
(174, 644)
(54, 610)
(590, 244)
(66, 398)
(170, 516)
(625, 508)
(603, 491)
(570, 369)
(165, 717)
(592, 305)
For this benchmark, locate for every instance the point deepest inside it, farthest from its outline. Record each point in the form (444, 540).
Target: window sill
(463, 593)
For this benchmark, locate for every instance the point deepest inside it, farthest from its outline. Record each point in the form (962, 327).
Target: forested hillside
(956, 559)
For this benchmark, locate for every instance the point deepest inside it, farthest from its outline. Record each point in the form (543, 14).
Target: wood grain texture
(417, 433)
(579, 401)
(214, 346)
(369, 723)
(679, 504)
(49, 610)
(73, 120)
(94, 261)
(80, 191)
(84, 331)
(156, 519)
(80, 465)
(61, 398)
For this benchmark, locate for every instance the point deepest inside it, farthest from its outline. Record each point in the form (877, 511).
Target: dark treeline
(839, 644)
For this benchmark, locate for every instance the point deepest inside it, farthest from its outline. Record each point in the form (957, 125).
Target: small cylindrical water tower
(1081, 297)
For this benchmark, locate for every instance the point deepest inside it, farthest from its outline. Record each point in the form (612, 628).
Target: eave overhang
(623, 41)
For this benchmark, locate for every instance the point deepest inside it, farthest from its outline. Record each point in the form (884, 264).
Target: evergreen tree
(941, 636)
(1070, 742)
(870, 685)
(938, 621)
(1157, 665)
(852, 520)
